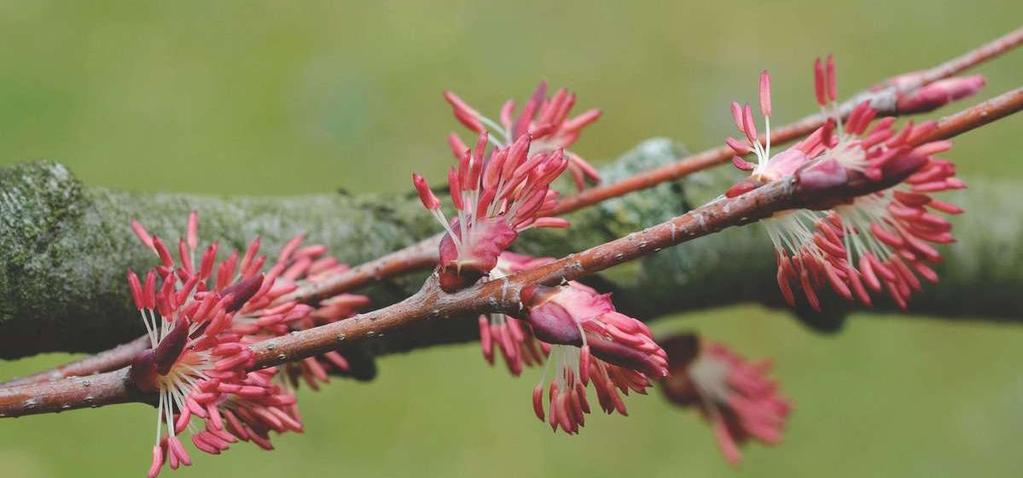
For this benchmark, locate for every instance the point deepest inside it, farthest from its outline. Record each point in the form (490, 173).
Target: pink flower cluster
(503, 192)
(857, 245)
(544, 119)
(200, 318)
(201, 315)
(579, 334)
(734, 395)
(590, 342)
(496, 195)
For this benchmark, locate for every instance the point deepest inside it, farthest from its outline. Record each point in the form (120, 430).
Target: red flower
(195, 363)
(888, 235)
(200, 321)
(856, 244)
(734, 395)
(544, 119)
(589, 342)
(252, 417)
(496, 197)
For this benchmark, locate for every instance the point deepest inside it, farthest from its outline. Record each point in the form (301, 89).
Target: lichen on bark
(66, 247)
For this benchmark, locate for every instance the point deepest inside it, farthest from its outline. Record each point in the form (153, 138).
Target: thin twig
(104, 361)
(501, 295)
(882, 100)
(421, 255)
(976, 116)
(69, 393)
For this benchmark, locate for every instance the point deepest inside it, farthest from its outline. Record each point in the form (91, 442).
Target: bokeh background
(276, 98)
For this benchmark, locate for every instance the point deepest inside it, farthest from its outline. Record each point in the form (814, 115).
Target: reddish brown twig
(422, 255)
(883, 101)
(979, 115)
(69, 393)
(106, 360)
(501, 295)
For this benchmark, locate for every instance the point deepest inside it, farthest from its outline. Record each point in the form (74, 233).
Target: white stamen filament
(849, 154)
(183, 377)
(792, 231)
(763, 152)
(493, 125)
(710, 377)
(856, 220)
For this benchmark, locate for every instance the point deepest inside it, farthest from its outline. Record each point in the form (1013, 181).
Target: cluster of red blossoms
(589, 342)
(504, 189)
(860, 244)
(496, 195)
(501, 192)
(576, 330)
(734, 395)
(200, 318)
(544, 119)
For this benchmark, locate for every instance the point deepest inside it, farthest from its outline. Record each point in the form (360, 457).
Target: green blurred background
(274, 98)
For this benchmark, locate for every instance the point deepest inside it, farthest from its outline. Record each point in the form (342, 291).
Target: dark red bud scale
(242, 291)
(170, 347)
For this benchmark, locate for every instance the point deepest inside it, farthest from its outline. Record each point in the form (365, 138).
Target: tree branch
(64, 247)
(107, 360)
(501, 295)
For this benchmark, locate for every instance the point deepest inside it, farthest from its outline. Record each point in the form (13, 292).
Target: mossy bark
(65, 247)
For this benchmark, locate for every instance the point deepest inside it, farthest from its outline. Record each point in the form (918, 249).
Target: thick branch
(64, 248)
